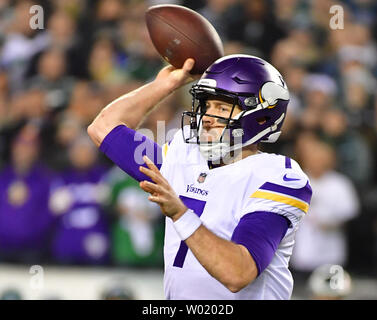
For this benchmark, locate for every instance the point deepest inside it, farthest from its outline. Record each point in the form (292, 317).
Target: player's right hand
(176, 78)
(161, 192)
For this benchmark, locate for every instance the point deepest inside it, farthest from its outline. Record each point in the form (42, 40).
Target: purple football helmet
(249, 82)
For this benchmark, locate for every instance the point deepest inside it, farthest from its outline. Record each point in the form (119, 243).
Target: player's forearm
(129, 109)
(228, 262)
(133, 107)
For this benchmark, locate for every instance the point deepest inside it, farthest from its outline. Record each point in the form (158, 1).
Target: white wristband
(187, 224)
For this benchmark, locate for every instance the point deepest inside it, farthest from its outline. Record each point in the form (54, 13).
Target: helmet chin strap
(216, 151)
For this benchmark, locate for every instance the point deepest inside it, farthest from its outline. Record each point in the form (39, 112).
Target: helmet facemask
(229, 141)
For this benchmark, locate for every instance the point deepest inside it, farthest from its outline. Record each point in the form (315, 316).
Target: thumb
(188, 65)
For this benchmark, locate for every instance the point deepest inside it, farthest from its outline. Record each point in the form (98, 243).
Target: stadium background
(64, 207)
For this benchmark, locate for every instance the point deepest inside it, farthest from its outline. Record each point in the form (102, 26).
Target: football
(179, 33)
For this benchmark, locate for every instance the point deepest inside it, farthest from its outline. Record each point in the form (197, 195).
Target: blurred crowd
(62, 202)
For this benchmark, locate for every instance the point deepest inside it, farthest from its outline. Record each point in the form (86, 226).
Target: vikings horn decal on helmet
(249, 82)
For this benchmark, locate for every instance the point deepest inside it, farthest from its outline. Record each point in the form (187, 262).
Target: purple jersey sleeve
(261, 232)
(126, 148)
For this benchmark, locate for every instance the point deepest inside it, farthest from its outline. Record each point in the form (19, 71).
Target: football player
(231, 210)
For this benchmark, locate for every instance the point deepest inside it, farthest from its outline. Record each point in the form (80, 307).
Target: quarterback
(231, 210)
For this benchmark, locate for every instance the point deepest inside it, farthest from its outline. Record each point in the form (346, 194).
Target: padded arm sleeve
(126, 148)
(261, 232)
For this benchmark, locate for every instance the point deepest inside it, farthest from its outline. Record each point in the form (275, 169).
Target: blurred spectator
(21, 43)
(319, 95)
(359, 86)
(82, 230)
(286, 12)
(108, 13)
(86, 101)
(355, 159)
(250, 22)
(52, 80)
(104, 66)
(284, 55)
(28, 105)
(25, 220)
(259, 27)
(63, 35)
(294, 78)
(142, 60)
(220, 14)
(68, 130)
(321, 238)
(138, 233)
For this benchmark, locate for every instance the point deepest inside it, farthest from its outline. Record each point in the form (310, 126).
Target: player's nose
(208, 120)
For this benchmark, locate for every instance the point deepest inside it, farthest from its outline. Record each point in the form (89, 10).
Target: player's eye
(208, 108)
(223, 108)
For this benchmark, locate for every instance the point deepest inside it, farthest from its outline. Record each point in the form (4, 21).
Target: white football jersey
(221, 196)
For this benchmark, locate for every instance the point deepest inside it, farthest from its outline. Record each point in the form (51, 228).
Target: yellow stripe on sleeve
(282, 199)
(165, 149)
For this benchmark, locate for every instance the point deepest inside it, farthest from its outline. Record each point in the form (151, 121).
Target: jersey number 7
(197, 206)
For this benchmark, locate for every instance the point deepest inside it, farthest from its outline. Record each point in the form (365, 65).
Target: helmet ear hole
(262, 120)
